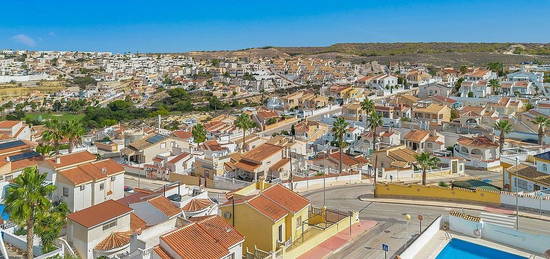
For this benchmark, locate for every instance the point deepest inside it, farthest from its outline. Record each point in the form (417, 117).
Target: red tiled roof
(480, 141)
(99, 213)
(136, 223)
(8, 124)
(72, 159)
(193, 242)
(179, 157)
(182, 134)
(114, 240)
(268, 207)
(196, 205)
(286, 198)
(416, 135)
(164, 205)
(92, 171)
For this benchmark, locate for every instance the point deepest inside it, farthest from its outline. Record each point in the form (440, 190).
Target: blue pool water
(460, 249)
(3, 213)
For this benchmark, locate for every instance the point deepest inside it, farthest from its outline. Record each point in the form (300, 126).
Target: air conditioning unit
(227, 215)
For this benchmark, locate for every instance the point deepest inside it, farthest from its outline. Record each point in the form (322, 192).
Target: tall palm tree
(542, 122)
(368, 107)
(73, 130)
(339, 128)
(54, 133)
(375, 122)
(44, 149)
(504, 126)
(245, 123)
(27, 199)
(494, 84)
(426, 161)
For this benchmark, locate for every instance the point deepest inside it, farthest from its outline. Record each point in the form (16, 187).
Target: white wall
(422, 240)
(527, 241)
(464, 226)
(354, 178)
(535, 203)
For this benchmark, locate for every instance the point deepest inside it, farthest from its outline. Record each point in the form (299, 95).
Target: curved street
(392, 228)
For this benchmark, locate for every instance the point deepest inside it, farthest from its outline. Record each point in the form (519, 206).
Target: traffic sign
(385, 247)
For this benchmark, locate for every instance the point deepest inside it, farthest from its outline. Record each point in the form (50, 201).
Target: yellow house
(270, 217)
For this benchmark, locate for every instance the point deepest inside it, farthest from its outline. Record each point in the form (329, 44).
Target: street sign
(420, 217)
(385, 247)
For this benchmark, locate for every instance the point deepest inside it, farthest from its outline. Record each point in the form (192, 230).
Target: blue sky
(176, 26)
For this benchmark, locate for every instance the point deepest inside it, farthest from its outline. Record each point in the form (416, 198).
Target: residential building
(435, 89)
(478, 148)
(145, 149)
(266, 160)
(435, 113)
(203, 237)
(310, 131)
(15, 156)
(14, 130)
(270, 218)
(424, 141)
(101, 230)
(89, 184)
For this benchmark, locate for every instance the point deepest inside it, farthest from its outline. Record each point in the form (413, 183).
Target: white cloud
(24, 39)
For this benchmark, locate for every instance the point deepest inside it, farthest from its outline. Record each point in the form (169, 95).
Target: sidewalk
(444, 204)
(340, 240)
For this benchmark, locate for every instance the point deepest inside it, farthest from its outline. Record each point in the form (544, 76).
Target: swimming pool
(3, 212)
(460, 249)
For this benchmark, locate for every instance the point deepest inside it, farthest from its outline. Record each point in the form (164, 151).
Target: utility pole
(290, 157)
(517, 202)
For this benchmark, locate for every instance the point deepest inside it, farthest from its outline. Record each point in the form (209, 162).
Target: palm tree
(54, 133)
(339, 128)
(426, 161)
(494, 84)
(375, 122)
(368, 107)
(44, 149)
(199, 133)
(27, 199)
(49, 225)
(73, 130)
(504, 126)
(245, 123)
(542, 122)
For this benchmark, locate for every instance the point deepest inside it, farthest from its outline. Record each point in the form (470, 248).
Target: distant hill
(437, 53)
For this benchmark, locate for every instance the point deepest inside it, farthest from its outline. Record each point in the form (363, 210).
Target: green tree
(339, 128)
(368, 107)
(542, 122)
(529, 106)
(73, 130)
(199, 133)
(463, 69)
(375, 122)
(494, 84)
(27, 199)
(426, 161)
(54, 133)
(504, 126)
(49, 225)
(245, 123)
(496, 67)
(45, 150)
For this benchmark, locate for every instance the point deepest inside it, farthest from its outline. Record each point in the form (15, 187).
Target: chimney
(104, 170)
(58, 160)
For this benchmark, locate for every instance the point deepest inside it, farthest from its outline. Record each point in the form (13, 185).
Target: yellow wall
(258, 230)
(437, 193)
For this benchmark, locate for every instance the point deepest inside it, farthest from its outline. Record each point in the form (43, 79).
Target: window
(544, 167)
(109, 224)
(82, 187)
(299, 222)
(65, 192)
(429, 145)
(101, 186)
(280, 233)
(162, 145)
(521, 184)
(112, 178)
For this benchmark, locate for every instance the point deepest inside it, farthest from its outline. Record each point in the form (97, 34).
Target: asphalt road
(392, 228)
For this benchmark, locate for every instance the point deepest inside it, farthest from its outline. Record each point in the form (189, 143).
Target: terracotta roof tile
(137, 224)
(417, 135)
(164, 205)
(72, 159)
(286, 198)
(197, 204)
(268, 207)
(193, 242)
(99, 213)
(114, 240)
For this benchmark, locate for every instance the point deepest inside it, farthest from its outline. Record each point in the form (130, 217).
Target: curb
(447, 206)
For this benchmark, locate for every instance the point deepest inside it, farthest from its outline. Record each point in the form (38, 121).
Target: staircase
(502, 220)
